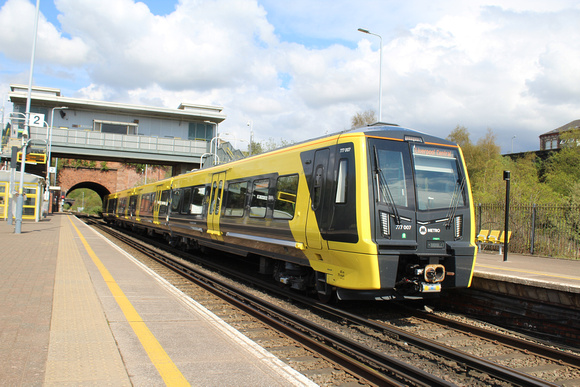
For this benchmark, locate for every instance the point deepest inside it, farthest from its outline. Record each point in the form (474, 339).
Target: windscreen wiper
(457, 194)
(383, 188)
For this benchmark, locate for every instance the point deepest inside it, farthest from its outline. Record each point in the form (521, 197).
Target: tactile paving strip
(82, 350)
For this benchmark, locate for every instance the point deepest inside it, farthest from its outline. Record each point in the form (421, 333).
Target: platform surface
(76, 310)
(551, 273)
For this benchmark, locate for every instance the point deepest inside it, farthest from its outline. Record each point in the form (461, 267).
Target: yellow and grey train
(375, 213)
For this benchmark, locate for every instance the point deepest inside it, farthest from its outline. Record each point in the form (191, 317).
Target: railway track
(340, 346)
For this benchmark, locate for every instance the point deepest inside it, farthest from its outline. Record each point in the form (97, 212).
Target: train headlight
(458, 227)
(385, 224)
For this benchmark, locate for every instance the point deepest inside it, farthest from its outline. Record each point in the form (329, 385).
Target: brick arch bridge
(116, 177)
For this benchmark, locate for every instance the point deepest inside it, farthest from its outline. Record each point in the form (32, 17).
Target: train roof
(382, 129)
(394, 131)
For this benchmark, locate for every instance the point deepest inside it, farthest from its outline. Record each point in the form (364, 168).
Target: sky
(298, 70)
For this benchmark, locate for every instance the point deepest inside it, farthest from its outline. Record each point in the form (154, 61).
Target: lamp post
(11, 188)
(380, 67)
(513, 143)
(49, 142)
(20, 199)
(251, 125)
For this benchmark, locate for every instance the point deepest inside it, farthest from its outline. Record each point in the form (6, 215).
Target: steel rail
(341, 350)
(514, 342)
(473, 362)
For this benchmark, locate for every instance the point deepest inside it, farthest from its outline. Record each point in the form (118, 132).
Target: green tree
(362, 119)
(526, 186)
(562, 170)
(86, 201)
(257, 148)
(269, 145)
(484, 164)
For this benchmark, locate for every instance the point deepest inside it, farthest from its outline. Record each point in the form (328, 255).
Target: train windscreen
(438, 178)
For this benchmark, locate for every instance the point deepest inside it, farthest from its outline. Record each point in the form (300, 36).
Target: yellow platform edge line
(171, 375)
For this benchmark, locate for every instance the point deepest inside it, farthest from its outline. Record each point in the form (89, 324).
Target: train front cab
(404, 229)
(423, 216)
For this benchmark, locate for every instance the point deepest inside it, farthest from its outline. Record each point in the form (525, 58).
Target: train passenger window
(175, 200)
(132, 204)
(215, 198)
(122, 206)
(236, 199)
(186, 201)
(259, 198)
(219, 198)
(341, 182)
(163, 202)
(198, 195)
(112, 204)
(151, 202)
(286, 190)
(146, 204)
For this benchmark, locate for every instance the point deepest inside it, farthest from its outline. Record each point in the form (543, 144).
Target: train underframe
(409, 277)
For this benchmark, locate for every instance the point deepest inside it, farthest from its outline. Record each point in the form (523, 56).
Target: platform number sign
(36, 119)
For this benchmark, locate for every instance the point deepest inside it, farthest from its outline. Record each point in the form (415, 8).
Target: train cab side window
(317, 194)
(341, 183)
(163, 202)
(196, 206)
(286, 190)
(236, 198)
(259, 202)
(185, 201)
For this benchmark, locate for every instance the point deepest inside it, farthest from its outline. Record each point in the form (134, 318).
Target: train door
(215, 200)
(160, 206)
(317, 192)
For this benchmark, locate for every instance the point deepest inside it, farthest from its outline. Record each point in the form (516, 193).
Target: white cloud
(16, 34)
(300, 69)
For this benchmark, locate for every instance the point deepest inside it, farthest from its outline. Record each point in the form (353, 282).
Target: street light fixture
(380, 67)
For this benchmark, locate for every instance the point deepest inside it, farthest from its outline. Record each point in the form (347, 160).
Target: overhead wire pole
(380, 69)
(25, 133)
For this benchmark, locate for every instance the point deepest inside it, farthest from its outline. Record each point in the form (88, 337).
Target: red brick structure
(551, 139)
(105, 180)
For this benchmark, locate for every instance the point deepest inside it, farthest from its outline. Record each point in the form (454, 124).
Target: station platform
(551, 280)
(76, 310)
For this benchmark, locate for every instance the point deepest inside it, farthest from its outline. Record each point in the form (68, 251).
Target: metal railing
(547, 230)
(120, 142)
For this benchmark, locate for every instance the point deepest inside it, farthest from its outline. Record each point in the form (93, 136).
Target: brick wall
(118, 177)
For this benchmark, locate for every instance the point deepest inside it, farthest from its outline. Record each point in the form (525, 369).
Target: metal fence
(536, 229)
